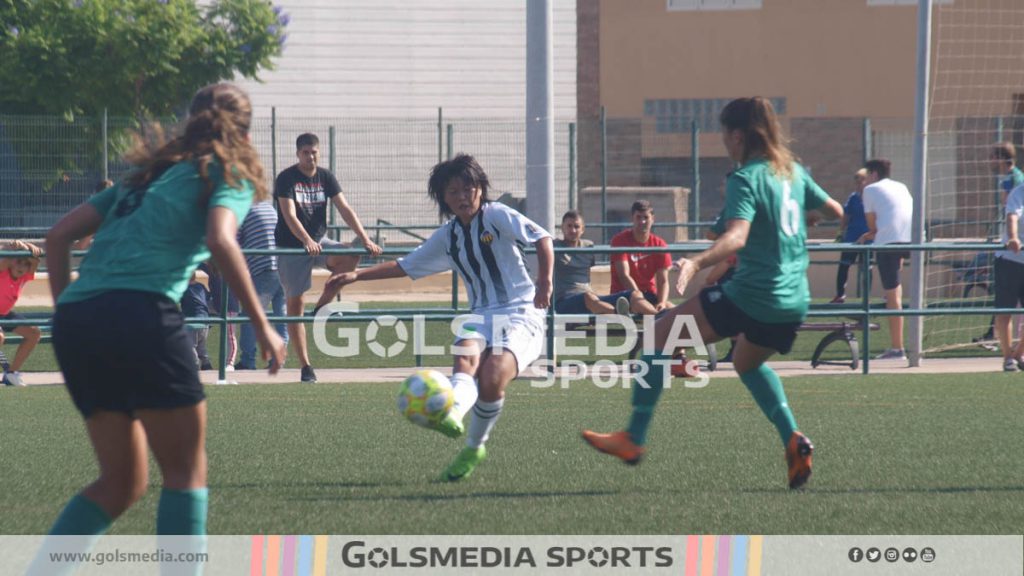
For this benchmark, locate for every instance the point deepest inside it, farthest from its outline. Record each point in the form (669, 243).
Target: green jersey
(770, 283)
(153, 239)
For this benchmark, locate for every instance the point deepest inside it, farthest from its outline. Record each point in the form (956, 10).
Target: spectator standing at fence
(303, 192)
(117, 331)
(195, 303)
(853, 225)
(573, 293)
(257, 232)
(888, 210)
(482, 240)
(764, 304)
(15, 272)
(645, 274)
(1009, 272)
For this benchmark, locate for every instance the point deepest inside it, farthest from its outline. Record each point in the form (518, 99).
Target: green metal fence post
(865, 275)
(273, 141)
(222, 363)
(572, 165)
(106, 143)
(451, 141)
(604, 176)
(332, 166)
(866, 138)
(440, 134)
(695, 158)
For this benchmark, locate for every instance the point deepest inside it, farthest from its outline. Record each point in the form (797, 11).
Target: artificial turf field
(923, 454)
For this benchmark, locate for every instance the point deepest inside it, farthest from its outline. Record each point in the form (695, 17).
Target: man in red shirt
(642, 276)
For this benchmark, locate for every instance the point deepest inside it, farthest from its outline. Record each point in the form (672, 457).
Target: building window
(905, 2)
(691, 5)
(678, 115)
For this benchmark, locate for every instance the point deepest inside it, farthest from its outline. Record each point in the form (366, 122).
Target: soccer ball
(426, 397)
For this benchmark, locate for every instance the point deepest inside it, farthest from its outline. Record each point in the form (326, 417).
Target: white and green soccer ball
(426, 397)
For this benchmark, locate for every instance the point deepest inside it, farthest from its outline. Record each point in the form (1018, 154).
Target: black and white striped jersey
(488, 255)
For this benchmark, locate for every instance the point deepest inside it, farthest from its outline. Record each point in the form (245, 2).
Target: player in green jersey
(767, 201)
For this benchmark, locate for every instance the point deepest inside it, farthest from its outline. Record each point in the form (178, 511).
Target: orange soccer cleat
(618, 444)
(798, 457)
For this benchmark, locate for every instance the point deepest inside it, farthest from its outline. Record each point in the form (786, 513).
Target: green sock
(766, 388)
(646, 397)
(182, 512)
(81, 516)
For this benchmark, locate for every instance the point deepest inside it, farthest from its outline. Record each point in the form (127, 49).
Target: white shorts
(517, 329)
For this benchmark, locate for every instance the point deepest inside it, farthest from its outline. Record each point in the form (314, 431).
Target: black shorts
(1009, 283)
(12, 315)
(126, 350)
(728, 320)
(889, 264)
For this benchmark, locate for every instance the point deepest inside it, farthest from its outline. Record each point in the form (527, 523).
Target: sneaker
(307, 374)
(798, 458)
(464, 464)
(451, 426)
(622, 306)
(13, 379)
(1020, 363)
(892, 354)
(987, 336)
(241, 366)
(206, 365)
(1010, 365)
(229, 368)
(680, 370)
(838, 300)
(618, 444)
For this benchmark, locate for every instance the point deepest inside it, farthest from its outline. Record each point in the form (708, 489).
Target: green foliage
(139, 58)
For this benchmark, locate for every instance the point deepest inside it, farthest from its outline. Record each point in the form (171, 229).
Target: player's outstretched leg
(464, 464)
(628, 445)
(466, 393)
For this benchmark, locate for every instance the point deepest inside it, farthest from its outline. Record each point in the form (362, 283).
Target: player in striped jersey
(483, 242)
(257, 232)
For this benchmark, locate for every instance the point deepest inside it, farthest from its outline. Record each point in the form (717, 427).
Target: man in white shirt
(888, 209)
(1009, 271)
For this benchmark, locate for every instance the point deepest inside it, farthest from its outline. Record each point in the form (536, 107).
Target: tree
(140, 58)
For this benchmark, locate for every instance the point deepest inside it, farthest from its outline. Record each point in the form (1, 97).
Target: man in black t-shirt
(302, 193)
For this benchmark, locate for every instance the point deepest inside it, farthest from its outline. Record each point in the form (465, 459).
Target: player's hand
(687, 270)
(1014, 244)
(542, 297)
(662, 306)
(272, 347)
(340, 280)
(372, 247)
(313, 248)
(35, 250)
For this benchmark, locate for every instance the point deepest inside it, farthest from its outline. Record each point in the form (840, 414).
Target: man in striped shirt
(257, 232)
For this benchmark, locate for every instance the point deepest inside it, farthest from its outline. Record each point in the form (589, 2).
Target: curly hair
(218, 124)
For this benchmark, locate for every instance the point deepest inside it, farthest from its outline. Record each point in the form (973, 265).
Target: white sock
(485, 416)
(465, 393)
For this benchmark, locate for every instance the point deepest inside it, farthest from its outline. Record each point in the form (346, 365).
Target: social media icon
(873, 554)
(909, 554)
(927, 555)
(856, 554)
(892, 554)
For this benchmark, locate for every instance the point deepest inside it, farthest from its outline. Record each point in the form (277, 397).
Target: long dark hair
(217, 129)
(465, 168)
(762, 134)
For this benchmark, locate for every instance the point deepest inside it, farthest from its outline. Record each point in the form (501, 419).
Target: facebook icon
(856, 554)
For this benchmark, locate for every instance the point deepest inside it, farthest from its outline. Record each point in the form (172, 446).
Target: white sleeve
(1015, 201)
(520, 227)
(868, 198)
(428, 258)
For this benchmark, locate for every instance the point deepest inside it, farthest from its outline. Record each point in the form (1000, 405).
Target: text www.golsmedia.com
(119, 557)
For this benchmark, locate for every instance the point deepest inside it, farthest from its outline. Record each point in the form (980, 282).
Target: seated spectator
(573, 293)
(641, 276)
(14, 274)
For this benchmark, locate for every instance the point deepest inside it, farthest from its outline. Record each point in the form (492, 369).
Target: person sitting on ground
(14, 274)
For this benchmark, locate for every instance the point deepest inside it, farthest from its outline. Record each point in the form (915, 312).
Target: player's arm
(352, 220)
(221, 239)
(661, 285)
(287, 208)
(737, 230)
(546, 264)
(1012, 223)
(82, 221)
(621, 270)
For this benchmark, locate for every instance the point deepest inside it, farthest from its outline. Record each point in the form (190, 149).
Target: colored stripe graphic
(305, 556)
(739, 556)
(707, 556)
(754, 567)
(288, 561)
(723, 555)
(320, 556)
(256, 556)
(691, 555)
(273, 564)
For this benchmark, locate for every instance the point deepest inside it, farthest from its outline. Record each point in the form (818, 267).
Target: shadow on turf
(251, 485)
(894, 490)
(475, 496)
